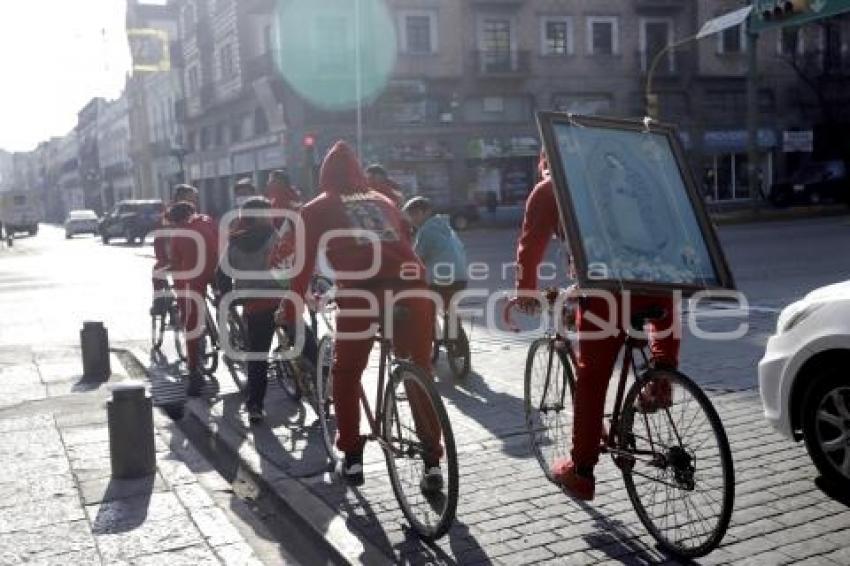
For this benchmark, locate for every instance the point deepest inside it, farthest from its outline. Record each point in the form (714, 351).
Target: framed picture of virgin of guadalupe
(629, 206)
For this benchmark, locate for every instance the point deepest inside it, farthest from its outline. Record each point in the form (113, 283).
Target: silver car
(81, 222)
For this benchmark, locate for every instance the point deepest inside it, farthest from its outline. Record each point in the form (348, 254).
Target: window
(193, 80)
(556, 36)
(261, 123)
(790, 42)
(331, 45)
(603, 35)
(235, 132)
(219, 135)
(268, 39)
(205, 138)
(731, 40)
(655, 36)
(418, 32)
(495, 42)
(228, 67)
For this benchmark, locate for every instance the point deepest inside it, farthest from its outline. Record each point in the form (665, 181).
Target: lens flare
(321, 43)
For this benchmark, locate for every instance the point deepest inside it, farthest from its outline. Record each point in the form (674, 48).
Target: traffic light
(769, 14)
(784, 9)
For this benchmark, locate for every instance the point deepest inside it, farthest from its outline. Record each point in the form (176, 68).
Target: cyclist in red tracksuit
(187, 255)
(596, 357)
(347, 202)
(159, 276)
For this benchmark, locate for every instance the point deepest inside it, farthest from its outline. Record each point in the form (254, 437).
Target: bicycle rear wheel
(679, 474)
(457, 352)
(429, 508)
(549, 390)
(209, 346)
(283, 372)
(179, 334)
(324, 396)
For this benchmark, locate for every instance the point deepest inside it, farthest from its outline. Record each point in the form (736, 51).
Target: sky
(55, 56)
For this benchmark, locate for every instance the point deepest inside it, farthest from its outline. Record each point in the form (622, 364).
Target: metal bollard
(94, 342)
(131, 440)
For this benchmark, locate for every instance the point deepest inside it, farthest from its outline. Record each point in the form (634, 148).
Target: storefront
(504, 170)
(724, 163)
(420, 167)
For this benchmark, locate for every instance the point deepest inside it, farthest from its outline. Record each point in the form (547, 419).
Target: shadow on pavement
(619, 542)
(125, 505)
(834, 492)
(491, 409)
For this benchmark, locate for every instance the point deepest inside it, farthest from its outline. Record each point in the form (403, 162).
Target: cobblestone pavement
(58, 504)
(509, 513)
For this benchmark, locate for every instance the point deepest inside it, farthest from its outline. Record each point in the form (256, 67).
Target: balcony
(659, 6)
(502, 64)
(207, 96)
(676, 64)
(258, 67)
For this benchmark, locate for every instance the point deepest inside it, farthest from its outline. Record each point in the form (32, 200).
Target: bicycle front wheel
(417, 440)
(324, 396)
(549, 390)
(676, 463)
(157, 331)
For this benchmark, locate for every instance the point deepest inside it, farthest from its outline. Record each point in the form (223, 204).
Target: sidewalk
(58, 504)
(508, 513)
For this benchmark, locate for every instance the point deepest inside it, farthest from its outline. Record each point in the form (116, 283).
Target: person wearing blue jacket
(439, 248)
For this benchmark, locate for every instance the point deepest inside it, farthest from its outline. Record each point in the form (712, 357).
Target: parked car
(804, 379)
(461, 215)
(131, 220)
(81, 222)
(814, 183)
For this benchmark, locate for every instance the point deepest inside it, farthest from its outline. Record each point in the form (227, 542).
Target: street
(508, 512)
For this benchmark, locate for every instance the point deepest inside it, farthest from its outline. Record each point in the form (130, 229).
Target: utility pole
(752, 120)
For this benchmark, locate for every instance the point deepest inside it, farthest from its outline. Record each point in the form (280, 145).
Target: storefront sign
(497, 148)
(224, 167)
(803, 141)
(271, 158)
(735, 141)
(243, 162)
(208, 170)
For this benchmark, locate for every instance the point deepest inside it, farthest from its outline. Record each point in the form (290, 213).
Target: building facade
(113, 145)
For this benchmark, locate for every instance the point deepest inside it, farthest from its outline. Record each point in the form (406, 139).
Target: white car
(804, 378)
(81, 222)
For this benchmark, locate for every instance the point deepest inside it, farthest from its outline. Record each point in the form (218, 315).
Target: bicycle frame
(377, 418)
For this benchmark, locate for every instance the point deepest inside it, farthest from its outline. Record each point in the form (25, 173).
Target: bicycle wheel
(237, 339)
(678, 473)
(209, 347)
(157, 331)
(457, 352)
(179, 335)
(324, 396)
(429, 509)
(549, 391)
(284, 371)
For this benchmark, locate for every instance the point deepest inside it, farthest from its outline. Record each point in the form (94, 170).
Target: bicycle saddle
(640, 318)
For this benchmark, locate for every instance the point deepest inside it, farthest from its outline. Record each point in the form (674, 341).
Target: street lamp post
(358, 78)
(651, 97)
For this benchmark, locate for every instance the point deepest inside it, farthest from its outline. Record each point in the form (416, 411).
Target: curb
(777, 215)
(290, 493)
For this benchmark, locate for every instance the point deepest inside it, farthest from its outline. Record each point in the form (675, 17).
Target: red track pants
(596, 360)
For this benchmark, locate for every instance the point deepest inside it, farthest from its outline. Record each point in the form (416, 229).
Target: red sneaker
(575, 485)
(656, 395)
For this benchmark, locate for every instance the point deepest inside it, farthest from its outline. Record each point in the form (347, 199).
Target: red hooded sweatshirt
(540, 223)
(282, 197)
(346, 202)
(185, 253)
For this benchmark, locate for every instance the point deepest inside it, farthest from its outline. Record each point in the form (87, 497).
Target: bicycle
(294, 374)
(457, 347)
(169, 319)
(652, 462)
(394, 426)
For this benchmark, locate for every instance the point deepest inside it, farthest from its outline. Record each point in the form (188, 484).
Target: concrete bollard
(94, 342)
(131, 439)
